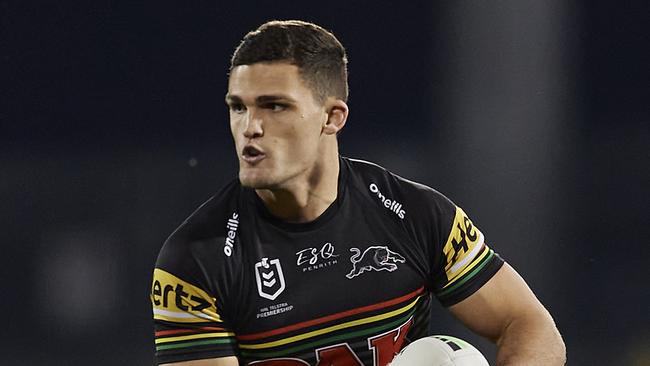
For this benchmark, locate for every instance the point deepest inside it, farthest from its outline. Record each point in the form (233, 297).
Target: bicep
(222, 361)
(504, 298)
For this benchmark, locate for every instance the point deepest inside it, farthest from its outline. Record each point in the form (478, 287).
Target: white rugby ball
(439, 350)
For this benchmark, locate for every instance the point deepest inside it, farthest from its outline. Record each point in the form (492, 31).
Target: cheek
(298, 139)
(236, 129)
(309, 128)
(233, 127)
(305, 140)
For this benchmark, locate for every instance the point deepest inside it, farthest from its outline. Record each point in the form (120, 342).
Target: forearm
(531, 340)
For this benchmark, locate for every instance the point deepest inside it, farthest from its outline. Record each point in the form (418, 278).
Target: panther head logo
(377, 258)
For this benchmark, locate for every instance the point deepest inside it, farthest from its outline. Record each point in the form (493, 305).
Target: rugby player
(314, 258)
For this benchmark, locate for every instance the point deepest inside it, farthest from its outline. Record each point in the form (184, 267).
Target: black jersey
(350, 288)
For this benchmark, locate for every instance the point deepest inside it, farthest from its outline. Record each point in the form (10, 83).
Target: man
(312, 258)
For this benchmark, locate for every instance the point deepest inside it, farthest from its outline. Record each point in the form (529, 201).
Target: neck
(308, 197)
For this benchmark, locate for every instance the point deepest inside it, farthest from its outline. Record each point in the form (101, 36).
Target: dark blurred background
(531, 115)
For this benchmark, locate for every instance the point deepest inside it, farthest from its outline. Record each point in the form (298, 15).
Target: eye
(276, 107)
(237, 107)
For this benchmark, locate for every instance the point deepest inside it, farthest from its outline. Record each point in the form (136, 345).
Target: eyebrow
(261, 99)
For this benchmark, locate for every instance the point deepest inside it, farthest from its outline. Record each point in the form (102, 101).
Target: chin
(255, 181)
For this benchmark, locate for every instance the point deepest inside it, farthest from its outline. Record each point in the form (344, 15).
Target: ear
(337, 114)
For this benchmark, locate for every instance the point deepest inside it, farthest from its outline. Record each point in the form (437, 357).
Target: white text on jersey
(392, 205)
(232, 226)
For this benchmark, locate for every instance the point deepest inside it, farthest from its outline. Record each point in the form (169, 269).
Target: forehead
(266, 79)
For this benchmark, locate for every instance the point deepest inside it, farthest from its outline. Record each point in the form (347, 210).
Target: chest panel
(344, 284)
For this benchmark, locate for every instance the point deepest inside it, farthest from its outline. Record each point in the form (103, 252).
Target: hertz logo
(464, 243)
(178, 301)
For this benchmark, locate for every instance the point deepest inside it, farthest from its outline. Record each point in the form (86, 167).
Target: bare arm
(506, 311)
(223, 361)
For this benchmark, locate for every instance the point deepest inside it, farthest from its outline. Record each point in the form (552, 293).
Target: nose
(253, 126)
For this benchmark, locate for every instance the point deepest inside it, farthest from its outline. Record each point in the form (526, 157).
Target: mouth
(252, 155)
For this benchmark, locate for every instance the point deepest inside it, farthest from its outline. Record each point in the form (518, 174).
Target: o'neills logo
(392, 205)
(231, 225)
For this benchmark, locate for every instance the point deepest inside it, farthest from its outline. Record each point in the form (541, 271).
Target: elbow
(556, 349)
(533, 339)
(560, 349)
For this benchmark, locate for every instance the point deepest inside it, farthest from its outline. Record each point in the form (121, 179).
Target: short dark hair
(320, 57)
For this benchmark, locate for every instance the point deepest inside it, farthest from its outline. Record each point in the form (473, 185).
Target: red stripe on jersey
(328, 318)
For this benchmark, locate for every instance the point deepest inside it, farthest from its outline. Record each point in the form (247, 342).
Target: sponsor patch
(465, 241)
(312, 259)
(175, 300)
(231, 225)
(388, 203)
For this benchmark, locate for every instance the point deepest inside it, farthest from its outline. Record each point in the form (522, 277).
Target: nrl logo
(375, 258)
(269, 277)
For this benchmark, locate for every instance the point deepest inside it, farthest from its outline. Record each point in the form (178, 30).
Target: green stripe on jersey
(468, 276)
(193, 343)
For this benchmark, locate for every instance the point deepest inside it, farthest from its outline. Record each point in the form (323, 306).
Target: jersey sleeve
(188, 323)
(464, 260)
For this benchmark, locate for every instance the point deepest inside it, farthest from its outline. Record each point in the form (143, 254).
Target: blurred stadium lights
(507, 69)
(79, 279)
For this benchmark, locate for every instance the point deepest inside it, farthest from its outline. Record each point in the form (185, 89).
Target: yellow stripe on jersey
(178, 301)
(463, 245)
(331, 329)
(194, 336)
